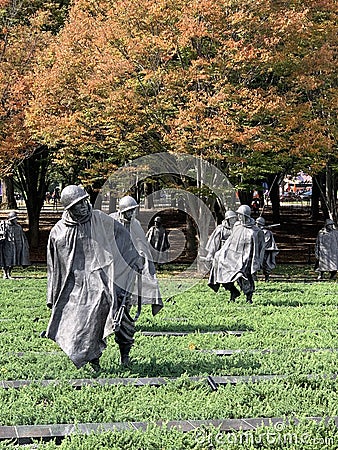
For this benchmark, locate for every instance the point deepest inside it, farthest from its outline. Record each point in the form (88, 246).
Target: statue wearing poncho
(90, 261)
(240, 257)
(326, 250)
(150, 291)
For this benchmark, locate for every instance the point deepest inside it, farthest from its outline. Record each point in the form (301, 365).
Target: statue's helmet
(244, 210)
(329, 222)
(157, 219)
(260, 221)
(12, 215)
(229, 214)
(126, 203)
(71, 195)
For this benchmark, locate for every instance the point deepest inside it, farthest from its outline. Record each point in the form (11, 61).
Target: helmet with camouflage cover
(126, 203)
(71, 195)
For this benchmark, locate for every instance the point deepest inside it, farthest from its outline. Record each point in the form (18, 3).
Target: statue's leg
(124, 337)
(234, 292)
(247, 286)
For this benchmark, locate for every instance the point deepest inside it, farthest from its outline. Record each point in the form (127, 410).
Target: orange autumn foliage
(249, 83)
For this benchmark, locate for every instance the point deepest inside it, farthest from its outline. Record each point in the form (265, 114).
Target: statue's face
(241, 218)
(79, 210)
(232, 221)
(128, 214)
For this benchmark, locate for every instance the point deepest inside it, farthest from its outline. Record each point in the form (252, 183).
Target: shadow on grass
(153, 368)
(186, 328)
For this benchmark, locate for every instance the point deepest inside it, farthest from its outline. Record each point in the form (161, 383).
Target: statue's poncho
(326, 250)
(159, 242)
(241, 255)
(217, 238)
(270, 252)
(89, 264)
(15, 248)
(150, 289)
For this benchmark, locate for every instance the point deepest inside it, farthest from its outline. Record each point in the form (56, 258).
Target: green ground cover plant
(288, 318)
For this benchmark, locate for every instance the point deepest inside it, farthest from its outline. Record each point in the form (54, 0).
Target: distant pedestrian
(326, 250)
(48, 197)
(270, 249)
(15, 248)
(56, 197)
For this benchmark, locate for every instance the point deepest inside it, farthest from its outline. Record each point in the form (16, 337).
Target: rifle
(122, 308)
(273, 225)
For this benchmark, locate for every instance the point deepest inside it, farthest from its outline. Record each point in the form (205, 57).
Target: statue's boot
(234, 293)
(333, 274)
(320, 276)
(124, 354)
(249, 297)
(95, 364)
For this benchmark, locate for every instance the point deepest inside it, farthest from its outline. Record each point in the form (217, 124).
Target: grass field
(290, 330)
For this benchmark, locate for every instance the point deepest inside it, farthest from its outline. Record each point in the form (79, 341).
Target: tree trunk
(245, 197)
(320, 182)
(112, 203)
(315, 198)
(275, 203)
(32, 179)
(330, 191)
(148, 197)
(8, 196)
(191, 243)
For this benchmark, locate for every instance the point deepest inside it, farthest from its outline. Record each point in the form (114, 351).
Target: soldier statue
(240, 257)
(15, 248)
(158, 239)
(91, 268)
(220, 234)
(326, 250)
(270, 249)
(150, 292)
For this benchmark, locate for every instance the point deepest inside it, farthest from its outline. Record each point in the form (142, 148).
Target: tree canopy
(250, 84)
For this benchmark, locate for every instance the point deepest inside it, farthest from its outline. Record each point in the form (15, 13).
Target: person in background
(158, 239)
(326, 250)
(150, 292)
(91, 269)
(56, 197)
(15, 247)
(270, 250)
(240, 257)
